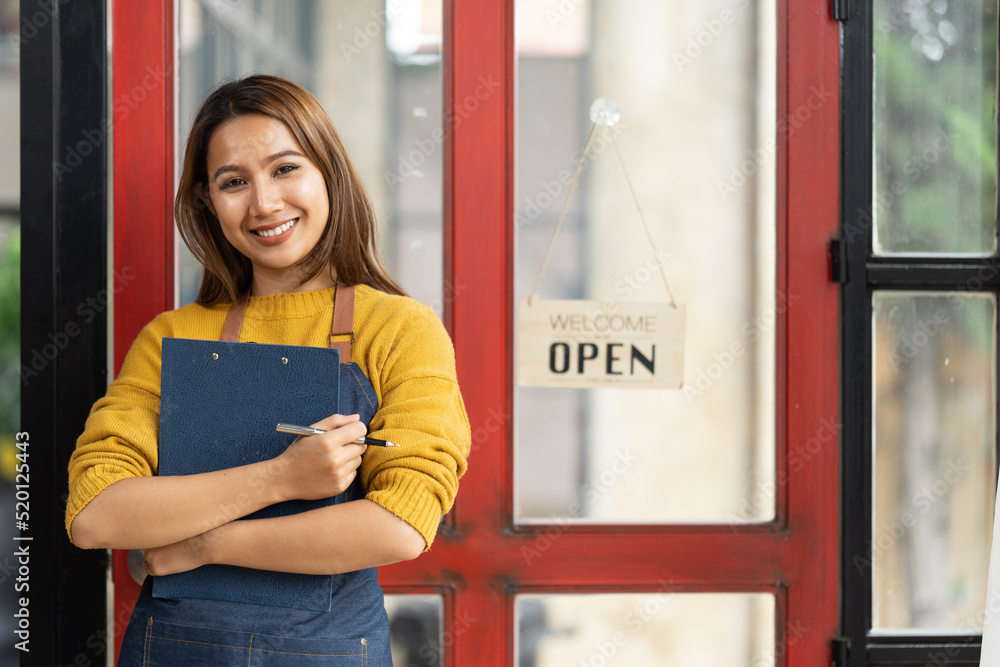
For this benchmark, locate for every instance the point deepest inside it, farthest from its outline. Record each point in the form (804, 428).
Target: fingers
(338, 475)
(341, 430)
(348, 457)
(154, 562)
(336, 421)
(325, 465)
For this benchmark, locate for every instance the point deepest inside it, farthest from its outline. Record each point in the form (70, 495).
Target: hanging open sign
(600, 344)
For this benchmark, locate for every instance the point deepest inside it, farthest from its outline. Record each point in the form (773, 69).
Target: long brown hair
(348, 244)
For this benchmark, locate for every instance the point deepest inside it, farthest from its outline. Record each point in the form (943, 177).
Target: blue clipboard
(219, 404)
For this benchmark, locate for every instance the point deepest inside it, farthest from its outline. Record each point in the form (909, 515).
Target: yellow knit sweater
(400, 345)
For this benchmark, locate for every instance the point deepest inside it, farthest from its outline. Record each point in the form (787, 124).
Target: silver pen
(295, 429)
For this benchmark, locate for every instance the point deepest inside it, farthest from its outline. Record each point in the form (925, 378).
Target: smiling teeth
(278, 230)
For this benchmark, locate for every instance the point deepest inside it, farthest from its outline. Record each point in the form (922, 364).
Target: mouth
(275, 231)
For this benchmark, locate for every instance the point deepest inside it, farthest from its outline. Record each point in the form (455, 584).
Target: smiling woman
(270, 200)
(261, 152)
(270, 204)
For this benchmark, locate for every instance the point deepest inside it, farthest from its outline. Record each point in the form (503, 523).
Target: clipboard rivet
(215, 355)
(284, 360)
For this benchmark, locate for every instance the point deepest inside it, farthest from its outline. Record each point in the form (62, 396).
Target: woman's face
(270, 199)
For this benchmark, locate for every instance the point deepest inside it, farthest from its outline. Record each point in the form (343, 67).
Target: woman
(270, 204)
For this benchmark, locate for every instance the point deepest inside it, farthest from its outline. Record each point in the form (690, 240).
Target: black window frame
(865, 273)
(63, 70)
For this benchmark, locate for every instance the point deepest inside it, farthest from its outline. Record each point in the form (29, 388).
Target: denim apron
(190, 632)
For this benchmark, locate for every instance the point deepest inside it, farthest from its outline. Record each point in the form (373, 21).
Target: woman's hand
(180, 556)
(321, 466)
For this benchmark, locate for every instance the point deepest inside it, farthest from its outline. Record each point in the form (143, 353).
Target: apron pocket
(170, 645)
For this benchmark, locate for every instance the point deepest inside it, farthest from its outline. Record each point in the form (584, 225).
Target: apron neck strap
(234, 319)
(343, 320)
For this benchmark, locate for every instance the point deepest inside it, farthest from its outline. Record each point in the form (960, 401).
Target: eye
(286, 169)
(232, 183)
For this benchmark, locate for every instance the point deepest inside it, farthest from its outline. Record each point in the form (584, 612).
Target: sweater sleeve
(421, 409)
(120, 436)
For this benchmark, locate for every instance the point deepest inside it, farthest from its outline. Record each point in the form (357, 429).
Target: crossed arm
(183, 522)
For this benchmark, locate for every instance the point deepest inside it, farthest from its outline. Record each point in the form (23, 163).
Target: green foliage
(935, 125)
(10, 328)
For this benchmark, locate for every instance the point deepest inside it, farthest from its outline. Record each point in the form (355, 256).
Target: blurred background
(697, 87)
(934, 353)
(10, 304)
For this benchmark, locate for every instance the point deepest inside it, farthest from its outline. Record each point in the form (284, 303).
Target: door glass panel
(935, 459)
(934, 127)
(654, 628)
(415, 630)
(376, 68)
(699, 143)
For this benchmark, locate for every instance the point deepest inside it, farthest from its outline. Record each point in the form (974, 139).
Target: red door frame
(142, 88)
(477, 562)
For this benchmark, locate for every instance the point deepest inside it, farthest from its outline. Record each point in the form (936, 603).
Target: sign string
(562, 213)
(645, 226)
(565, 206)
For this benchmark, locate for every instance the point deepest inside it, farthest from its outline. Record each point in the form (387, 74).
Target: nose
(265, 199)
